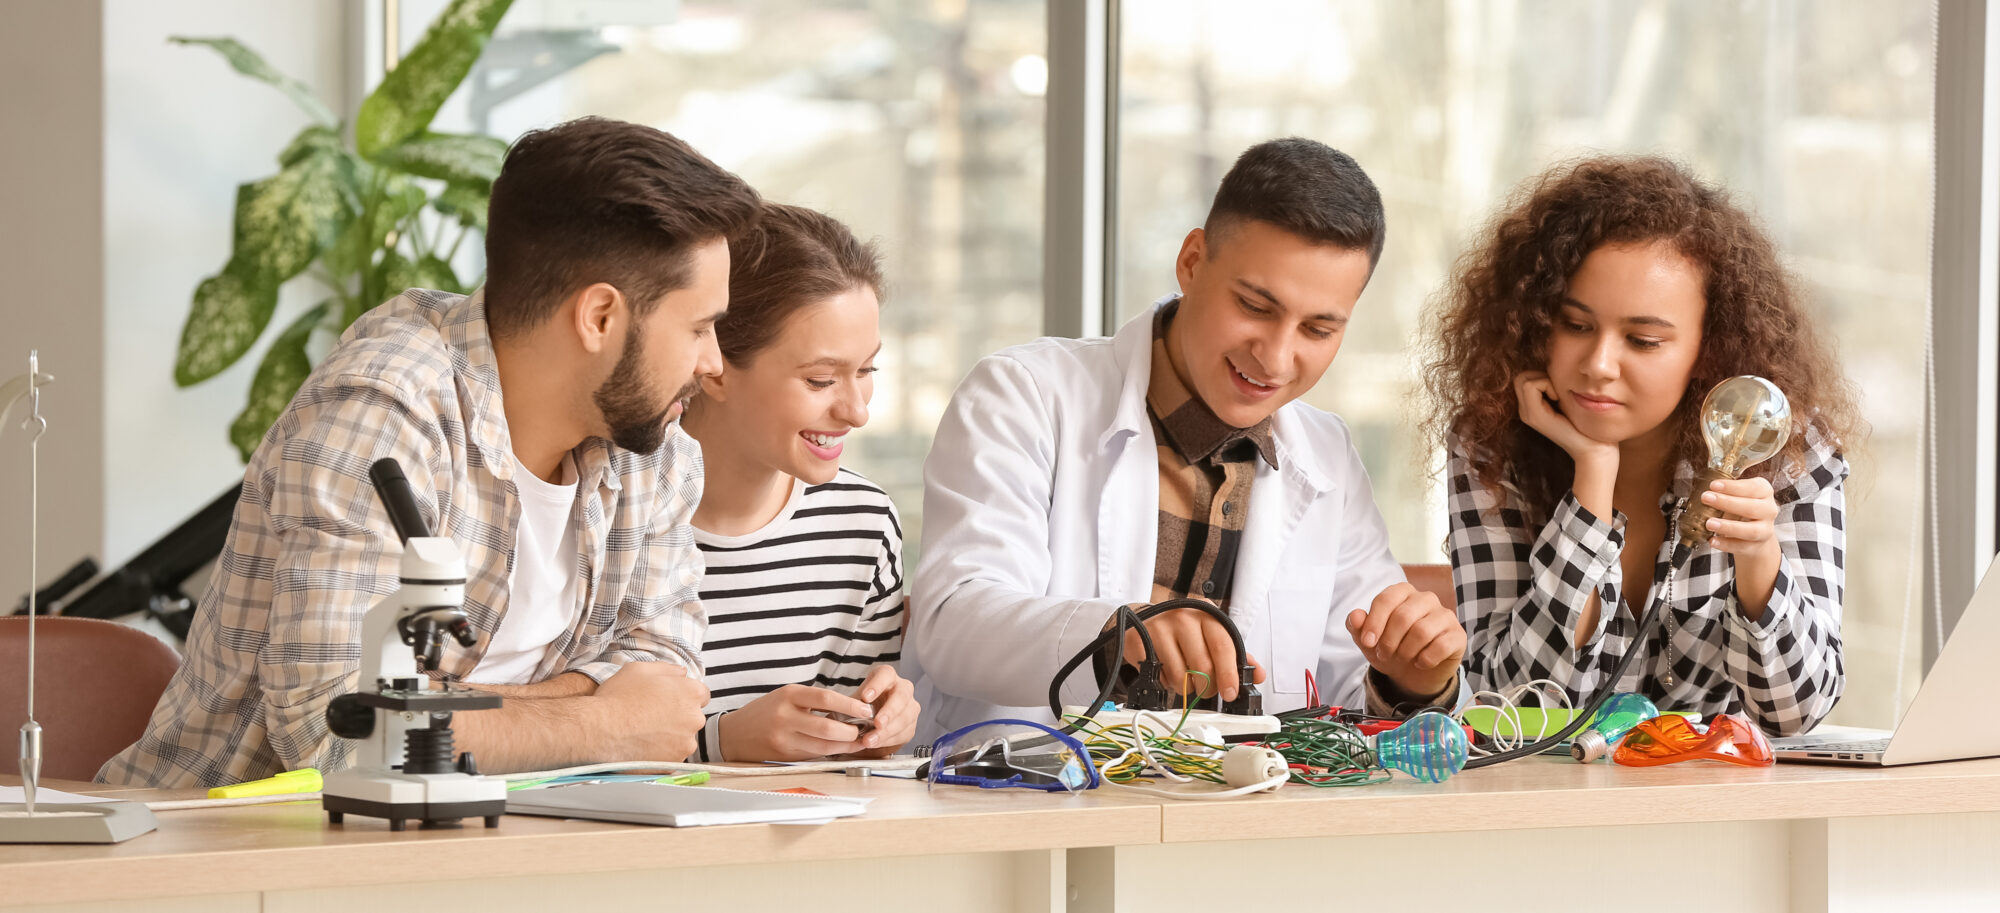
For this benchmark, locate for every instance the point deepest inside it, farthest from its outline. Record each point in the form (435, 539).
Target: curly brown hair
(1495, 317)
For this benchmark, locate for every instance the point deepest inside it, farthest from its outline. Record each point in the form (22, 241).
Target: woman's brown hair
(793, 258)
(1495, 318)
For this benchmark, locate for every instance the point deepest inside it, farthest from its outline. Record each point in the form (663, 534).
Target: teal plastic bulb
(1430, 747)
(1618, 715)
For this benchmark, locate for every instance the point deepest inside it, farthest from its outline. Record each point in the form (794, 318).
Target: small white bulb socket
(1249, 765)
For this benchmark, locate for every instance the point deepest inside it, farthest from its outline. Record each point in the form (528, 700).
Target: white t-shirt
(544, 591)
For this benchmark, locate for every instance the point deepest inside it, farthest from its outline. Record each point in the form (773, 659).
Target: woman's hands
(1748, 525)
(1748, 532)
(790, 723)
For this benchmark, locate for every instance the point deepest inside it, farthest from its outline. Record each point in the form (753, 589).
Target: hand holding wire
(1191, 641)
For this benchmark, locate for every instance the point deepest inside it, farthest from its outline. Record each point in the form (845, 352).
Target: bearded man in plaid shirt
(535, 419)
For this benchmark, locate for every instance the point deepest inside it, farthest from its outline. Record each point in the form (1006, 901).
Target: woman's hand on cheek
(1536, 397)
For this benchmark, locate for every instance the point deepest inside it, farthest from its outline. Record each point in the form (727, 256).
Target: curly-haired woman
(1568, 362)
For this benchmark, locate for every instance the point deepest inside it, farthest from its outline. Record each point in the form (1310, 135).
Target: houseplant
(363, 215)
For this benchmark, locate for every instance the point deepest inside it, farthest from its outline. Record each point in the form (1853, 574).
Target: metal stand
(23, 822)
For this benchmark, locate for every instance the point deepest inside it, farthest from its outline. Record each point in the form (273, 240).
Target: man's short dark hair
(597, 200)
(1304, 187)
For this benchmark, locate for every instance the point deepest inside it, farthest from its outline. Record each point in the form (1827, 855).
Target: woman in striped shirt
(804, 578)
(1572, 355)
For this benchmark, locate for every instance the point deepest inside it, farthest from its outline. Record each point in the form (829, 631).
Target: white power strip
(1199, 722)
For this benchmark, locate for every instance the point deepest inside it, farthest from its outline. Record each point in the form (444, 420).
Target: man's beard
(637, 421)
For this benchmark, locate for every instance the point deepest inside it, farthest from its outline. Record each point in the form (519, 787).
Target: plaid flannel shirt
(310, 548)
(1521, 591)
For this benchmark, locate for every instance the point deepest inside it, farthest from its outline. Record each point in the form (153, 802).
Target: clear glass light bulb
(1430, 747)
(1745, 420)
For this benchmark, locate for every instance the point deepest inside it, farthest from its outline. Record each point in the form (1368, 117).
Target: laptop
(1947, 720)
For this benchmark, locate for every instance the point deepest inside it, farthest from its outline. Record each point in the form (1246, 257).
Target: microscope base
(433, 800)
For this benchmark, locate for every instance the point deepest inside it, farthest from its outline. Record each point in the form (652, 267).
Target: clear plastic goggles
(1000, 754)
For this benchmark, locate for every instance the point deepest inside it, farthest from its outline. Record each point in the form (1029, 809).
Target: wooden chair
(95, 686)
(1433, 578)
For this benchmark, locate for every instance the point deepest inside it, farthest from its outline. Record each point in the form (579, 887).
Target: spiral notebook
(679, 806)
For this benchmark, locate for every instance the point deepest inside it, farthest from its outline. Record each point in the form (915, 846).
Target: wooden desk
(1790, 837)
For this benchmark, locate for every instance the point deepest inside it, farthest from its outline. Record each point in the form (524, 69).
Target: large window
(921, 124)
(918, 124)
(1818, 115)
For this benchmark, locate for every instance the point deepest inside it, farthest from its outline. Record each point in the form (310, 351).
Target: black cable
(1610, 686)
(1214, 611)
(1123, 618)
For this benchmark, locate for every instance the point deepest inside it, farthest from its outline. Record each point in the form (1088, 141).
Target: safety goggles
(999, 754)
(1671, 739)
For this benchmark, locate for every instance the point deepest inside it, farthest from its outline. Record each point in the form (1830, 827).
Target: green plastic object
(1537, 722)
(1490, 722)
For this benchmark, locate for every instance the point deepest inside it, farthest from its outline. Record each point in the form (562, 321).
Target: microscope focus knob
(349, 719)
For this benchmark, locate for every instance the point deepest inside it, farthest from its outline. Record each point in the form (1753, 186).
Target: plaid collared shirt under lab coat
(310, 548)
(1521, 589)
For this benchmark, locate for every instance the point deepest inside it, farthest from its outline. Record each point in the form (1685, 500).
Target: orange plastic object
(1672, 738)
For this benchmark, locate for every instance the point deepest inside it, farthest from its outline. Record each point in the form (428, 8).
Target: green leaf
(314, 140)
(389, 277)
(433, 272)
(230, 311)
(284, 369)
(249, 63)
(466, 201)
(284, 221)
(403, 105)
(355, 249)
(447, 157)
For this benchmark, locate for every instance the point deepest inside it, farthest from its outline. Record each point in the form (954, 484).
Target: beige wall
(117, 182)
(52, 266)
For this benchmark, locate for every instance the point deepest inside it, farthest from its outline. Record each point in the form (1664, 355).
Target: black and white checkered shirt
(1521, 591)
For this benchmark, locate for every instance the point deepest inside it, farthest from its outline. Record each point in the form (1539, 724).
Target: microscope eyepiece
(394, 490)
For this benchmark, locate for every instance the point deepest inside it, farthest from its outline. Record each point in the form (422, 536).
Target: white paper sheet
(45, 796)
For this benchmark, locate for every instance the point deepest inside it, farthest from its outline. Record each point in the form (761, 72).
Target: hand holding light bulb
(1745, 421)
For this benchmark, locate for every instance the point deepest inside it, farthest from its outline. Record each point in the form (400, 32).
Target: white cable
(720, 770)
(1508, 705)
(1272, 783)
(1145, 751)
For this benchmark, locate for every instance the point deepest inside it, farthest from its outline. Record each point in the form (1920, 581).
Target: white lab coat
(1041, 517)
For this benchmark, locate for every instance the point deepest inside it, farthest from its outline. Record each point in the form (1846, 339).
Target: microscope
(405, 768)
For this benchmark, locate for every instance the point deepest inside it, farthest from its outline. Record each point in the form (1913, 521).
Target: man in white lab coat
(1070, 477)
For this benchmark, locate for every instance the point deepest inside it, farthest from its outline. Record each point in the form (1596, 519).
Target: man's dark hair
(1304, 187)
(597, 200)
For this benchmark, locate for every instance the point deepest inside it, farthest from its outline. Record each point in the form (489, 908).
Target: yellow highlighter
(306, 780)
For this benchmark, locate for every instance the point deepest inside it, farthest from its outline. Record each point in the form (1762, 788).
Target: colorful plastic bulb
(1618, 715)
(1430, 747)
